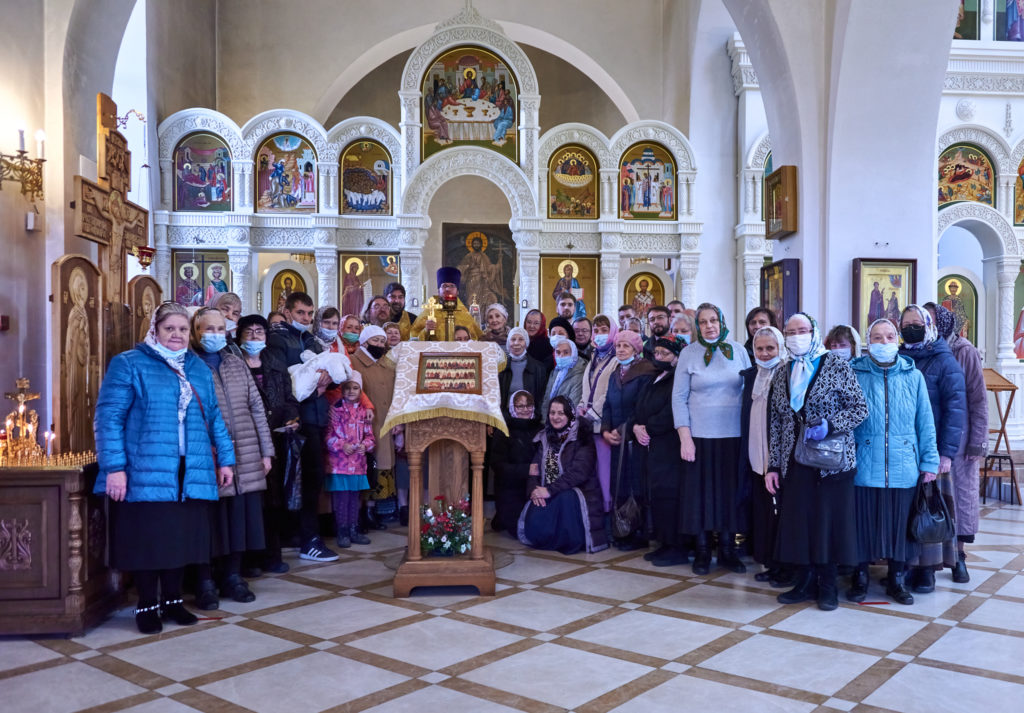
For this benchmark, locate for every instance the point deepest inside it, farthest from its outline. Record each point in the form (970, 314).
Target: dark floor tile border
(129, 672)
(624, 694)
(754, 684)
(504, 698)
(247, 667)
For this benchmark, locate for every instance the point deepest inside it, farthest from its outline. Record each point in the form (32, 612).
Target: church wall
(23, 254)
(182, 55)
(299, 66)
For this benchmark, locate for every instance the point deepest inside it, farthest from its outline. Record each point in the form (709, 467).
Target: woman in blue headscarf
(815, 396)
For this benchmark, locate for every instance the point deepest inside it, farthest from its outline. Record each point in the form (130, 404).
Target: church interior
(839, 158)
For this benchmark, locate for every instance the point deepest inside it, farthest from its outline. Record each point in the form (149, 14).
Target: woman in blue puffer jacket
(948, 395)
(163, 449)
(895, 444)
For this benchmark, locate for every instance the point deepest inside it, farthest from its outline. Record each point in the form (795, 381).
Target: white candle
(40, 144)
(21, 139)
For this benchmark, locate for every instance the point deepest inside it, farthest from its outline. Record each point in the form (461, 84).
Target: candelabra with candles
(449, 303)
(20, 168)
(19, 444)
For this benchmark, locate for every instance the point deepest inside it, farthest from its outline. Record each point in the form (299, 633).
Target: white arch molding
(757, 156)
(356, 128)
(666, 280)
(993, 144)
(1003, 240)
(272, 271)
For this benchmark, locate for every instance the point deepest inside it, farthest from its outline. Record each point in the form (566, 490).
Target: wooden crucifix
(105, 216)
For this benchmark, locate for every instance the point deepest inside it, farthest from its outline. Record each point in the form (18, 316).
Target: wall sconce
(24, 170)
(145, 254)
(524, 304)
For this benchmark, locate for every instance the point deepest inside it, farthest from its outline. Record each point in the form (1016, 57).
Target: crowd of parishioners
(654, 431)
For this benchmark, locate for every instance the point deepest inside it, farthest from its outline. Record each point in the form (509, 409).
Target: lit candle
(41, 144)
(21, 139)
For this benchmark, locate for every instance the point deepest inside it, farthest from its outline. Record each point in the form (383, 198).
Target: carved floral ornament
(992, 144)
(958, 212)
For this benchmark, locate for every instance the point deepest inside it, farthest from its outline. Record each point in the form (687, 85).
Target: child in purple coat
(349, 437)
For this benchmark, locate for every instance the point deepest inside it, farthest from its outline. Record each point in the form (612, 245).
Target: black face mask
(375, 351)
(663, 365)
(913, 333)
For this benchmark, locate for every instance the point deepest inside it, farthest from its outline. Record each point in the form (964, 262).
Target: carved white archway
(757, 155)
(672, 139)
(968, 212)
(188, 121)
(993, 144)
(368, 127)
(634, 270)
(272, 271)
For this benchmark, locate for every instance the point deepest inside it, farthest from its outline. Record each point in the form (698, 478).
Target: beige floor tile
(990, 558)
(529, 569)
(379, 542)
(924, 689)
(307, 684)
(1013, 588)
(611, 584)
(439, 699)
(1006, 512)
(999, 614)
(117, 629)
(15, 653)
(860, 627)
(557, 675)
(978, 576)
(336, 617)
(720, 603)
(63, 689)
(933, 604)
(650, 634)
(271, 592)
(791, 663)
(161, 705)
(534, 610)
(997, 526)
(435, 643)
(354, 573)
(981, 650)
(204, 651)
(698, 694)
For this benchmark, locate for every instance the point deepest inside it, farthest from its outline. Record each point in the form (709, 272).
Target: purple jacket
(975, 437)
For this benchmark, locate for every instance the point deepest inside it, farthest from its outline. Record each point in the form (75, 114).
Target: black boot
(660, 552)
(828, 588)
(702, 555)
(897, 588)
(371, 520)
(147, 619)
(858, 590)
(727, 556)
(403, 516)
(236, 588)
(206, 595)
(670, 557)
(960, 574)
(804, 588)
(174, 610)
(922, 580)
(783, 577)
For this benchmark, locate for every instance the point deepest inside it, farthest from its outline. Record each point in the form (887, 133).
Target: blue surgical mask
(300, 326)
(883, 353)
(556, 339)
(844, 353)
(328, 335)
(601, 340)
(626, 362)
(253, 347)
(684, 338)
(211, 342)
(168, 353)
(768, 363)
(563, 362)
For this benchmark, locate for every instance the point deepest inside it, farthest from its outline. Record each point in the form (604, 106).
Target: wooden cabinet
(53, 542)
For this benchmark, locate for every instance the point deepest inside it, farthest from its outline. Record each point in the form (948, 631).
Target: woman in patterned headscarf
(975, 435)
(814, 396)
(946, 390)
(707, 400)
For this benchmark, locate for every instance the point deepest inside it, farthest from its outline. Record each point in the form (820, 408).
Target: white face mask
(883, 353)
(798, 344)
(844, 353)
(768, 363)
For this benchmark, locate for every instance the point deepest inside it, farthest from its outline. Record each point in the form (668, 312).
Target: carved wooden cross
(102, 212)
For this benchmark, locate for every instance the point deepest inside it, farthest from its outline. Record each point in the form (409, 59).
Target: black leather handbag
(827, 454)
(930, 520)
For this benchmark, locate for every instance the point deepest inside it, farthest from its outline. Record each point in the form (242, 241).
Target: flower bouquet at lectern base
(446, 529)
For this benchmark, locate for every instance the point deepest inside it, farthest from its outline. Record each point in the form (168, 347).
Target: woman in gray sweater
(707, 399)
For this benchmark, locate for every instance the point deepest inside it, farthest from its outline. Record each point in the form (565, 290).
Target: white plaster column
(326, 275)
(240, 263)
(529, 133)
(685, 182)
(242, 186)
(689, 263)
(166, 184)
(529, 282)
(327, 183)
(410, 126)
(410, 257)
(1008, 269)
(1006, 196)
(608, 287)
(609, 192)
(161, 269)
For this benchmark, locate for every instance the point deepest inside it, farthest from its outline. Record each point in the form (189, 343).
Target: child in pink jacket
(349, 438)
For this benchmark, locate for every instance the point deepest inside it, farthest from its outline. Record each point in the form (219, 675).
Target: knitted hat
(564, 324)
(370, 331)
(632, 338)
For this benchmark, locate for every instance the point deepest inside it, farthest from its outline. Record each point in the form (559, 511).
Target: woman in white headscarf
(769, 349)
(567, 377)
(815, 396)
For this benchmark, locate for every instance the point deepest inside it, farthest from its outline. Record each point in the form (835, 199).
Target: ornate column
(326, 275)
(609, 192)
(1005, 198)
(243, 186)
(529, 133)
(529, 282)
(166, 184)
(240, 262)
(327, 183)
(410, 258)
(410, 126)
(611, 295)
(1007, 270)
(689, 263)
(161, 268)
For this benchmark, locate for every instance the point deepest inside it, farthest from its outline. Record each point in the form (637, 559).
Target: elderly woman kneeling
(565, 511)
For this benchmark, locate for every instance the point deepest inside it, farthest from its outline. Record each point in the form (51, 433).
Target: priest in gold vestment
(446, 276)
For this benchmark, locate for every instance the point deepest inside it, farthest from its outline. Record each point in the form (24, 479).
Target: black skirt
(710, 491)
(236, 524)
(665, 513)
(764, 521)
(882, 515)
(164, 535)
(817, 518)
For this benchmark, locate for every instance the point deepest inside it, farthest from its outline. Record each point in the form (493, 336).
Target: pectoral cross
(105, 216)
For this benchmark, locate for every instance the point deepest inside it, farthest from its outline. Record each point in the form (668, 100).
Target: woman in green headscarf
(707, 401)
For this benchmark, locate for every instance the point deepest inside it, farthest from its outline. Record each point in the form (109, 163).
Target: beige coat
(242, 408)
(598, 393)
(379, 387)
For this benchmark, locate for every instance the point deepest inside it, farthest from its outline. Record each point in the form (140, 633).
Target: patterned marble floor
(591, 634)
